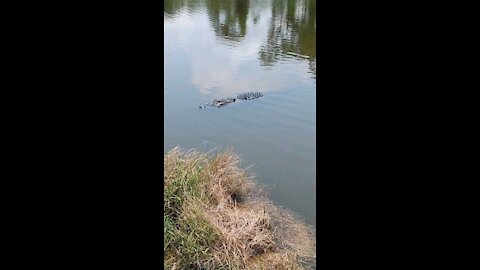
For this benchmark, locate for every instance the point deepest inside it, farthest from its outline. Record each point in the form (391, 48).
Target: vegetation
(215, 218)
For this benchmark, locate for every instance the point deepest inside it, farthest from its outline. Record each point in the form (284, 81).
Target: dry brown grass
(212, 197)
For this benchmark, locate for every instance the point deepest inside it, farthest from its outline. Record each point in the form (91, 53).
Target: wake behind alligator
(225, 101)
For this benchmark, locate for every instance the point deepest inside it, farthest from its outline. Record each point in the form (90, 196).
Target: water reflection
(229, 18)
(171, 7)
(218, 48)
(291, 32)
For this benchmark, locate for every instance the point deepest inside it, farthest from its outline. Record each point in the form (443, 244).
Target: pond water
(220, 48)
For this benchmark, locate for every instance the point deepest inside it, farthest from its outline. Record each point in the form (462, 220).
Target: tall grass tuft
(213, 220)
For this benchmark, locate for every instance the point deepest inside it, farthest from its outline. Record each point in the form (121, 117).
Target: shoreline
(216, 217)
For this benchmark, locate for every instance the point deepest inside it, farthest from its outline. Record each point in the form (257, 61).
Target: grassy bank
(215, 218)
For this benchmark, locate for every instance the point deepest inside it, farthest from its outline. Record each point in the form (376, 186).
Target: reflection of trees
(229, 18)
(292, 33)
(171, 7)
(257, 8)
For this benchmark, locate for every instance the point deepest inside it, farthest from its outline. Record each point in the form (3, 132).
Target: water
(220, 48)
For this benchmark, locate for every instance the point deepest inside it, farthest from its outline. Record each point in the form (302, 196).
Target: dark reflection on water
(292, 30)
(291, 33)
(229, 18)
(218, 48)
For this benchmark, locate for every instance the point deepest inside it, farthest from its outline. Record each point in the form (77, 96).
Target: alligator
(225, 101)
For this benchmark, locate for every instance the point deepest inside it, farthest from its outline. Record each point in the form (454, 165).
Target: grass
(216, 218)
